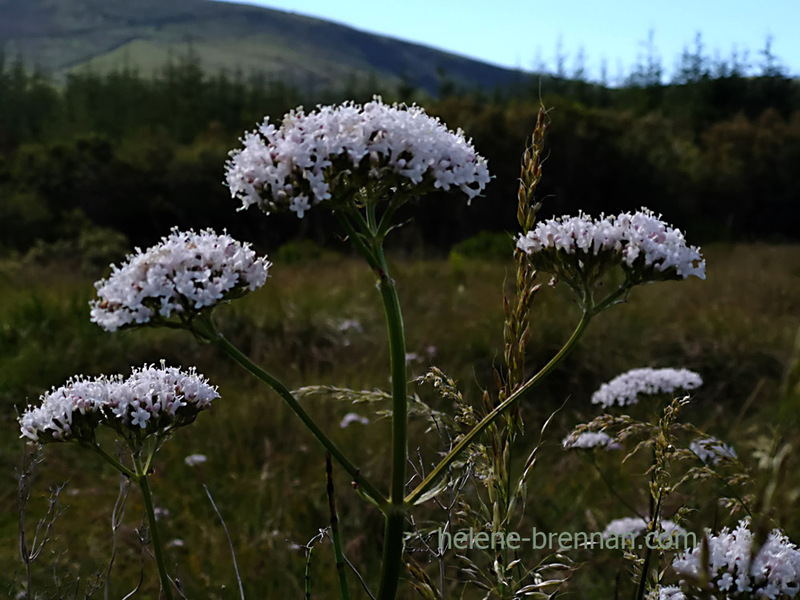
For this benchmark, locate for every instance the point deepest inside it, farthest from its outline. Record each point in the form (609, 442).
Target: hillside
(60, 36)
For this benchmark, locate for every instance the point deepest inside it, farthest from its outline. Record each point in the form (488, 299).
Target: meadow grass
(737, 329)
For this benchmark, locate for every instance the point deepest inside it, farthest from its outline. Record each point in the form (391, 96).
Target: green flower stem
(369, 243)
(613, 298)
(397, 352)
(141, 479)
(113, 461)
(392, 558)
(151, 454)
(358, 239)
(652, 526)
(395, 519)
(366, 486)
(443, 465)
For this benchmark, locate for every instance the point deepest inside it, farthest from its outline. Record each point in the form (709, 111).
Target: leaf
(437, 489)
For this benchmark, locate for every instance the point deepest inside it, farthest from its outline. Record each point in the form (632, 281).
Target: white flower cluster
(295, 165)
(669, 592)
(735, 572)
(590, 439)
(625, 389)
(195, 459)
(710, 450)
(186, 271)
(635, 525)
(56, 416)
(351, 418)
(150, 399)
(636, 241)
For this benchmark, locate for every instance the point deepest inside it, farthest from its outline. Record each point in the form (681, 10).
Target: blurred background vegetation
(118, 156)
(104, 161)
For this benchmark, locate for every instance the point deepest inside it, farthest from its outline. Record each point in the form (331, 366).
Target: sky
(525, 34)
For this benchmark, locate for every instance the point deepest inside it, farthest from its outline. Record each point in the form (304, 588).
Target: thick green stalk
(397, 353)
(395, 519)
(392, 558)
(295, 406)
(141, 479)
(439, 470)
(369, 243)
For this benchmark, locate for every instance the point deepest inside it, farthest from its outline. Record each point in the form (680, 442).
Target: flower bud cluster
(152, 399)
(185, 272)
(626, 388)
(736, 570)
(335, 150)
(579, 248)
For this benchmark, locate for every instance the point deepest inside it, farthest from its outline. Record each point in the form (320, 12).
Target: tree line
(118, 158)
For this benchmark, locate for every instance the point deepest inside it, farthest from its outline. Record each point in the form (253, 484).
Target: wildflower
(590, 439)
(334, 152)
(346, 325)
(711, 451)
(71, 411)
(734, 568)
(353, 418)
(185, 273)
(150, 400)
(195, 459)
(670, 592)
(170, 397)
(578, 250)
(625, 389)
(632, 526)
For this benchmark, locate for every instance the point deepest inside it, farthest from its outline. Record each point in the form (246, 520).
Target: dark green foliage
(715, 152)
(486, 245)
(301, 251)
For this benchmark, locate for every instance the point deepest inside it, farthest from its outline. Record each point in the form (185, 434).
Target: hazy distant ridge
(62, 35)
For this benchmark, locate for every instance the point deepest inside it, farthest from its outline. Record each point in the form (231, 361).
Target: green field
(737, 329)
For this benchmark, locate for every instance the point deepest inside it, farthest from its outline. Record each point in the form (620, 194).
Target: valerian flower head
(159, 400)
(333, 152)
(588, 440)
(151, 400)
(579, 250)
(736, 570)
(633, 526)
(669, 592)
(69, 412)
(626, 388)
(182, 275)
(195, 459)
(711, 451)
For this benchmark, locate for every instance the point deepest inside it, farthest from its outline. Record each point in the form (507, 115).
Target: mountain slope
(63, 35)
